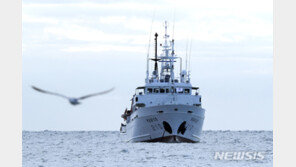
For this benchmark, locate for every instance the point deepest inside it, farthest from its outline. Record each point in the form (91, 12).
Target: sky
(77, 47)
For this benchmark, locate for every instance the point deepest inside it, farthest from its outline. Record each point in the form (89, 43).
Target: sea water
(109, 148)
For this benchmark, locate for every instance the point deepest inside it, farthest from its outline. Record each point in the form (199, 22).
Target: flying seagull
(72, 100)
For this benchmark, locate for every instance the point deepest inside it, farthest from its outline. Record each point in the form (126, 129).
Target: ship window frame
(156, 90)
(180, 91)
(187, 91)
(161, 90)
(194, 90)
(140, 91)
(150, 90)
(167, 90)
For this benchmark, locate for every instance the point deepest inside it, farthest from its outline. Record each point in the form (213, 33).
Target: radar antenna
(173, 25)
(148, 49)
(189, 59)
(186, 65)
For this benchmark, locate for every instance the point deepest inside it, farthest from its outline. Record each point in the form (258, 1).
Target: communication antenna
(173, 24)
(189, 56)
(186, 65)
(148, 49)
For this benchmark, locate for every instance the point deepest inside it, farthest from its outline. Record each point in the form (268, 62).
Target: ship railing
(163, 90)
(176, 80)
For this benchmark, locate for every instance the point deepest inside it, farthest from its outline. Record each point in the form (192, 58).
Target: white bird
(72, 100)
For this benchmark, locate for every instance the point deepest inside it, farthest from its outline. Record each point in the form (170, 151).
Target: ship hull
(166, 123)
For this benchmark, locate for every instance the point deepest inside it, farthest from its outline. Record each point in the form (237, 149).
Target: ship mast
(155, 72)
(167, 59)
(167, 68)
(148, 50)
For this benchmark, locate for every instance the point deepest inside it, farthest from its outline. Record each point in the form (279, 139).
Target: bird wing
(47, 92)
(95, 94)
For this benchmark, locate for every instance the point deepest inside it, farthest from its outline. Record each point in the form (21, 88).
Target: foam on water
(98, 148)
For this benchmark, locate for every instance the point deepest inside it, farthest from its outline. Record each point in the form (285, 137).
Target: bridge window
(187, 91)
(167, 90)
(140, 90)
(163, 90)
(149, 90)
(179, 90)
(194, 91)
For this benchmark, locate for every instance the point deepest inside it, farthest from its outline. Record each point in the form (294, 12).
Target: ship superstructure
(167, 108)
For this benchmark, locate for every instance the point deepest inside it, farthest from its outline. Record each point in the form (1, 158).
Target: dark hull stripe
(171, 139)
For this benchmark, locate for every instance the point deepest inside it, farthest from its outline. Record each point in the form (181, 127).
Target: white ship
(168, 108)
